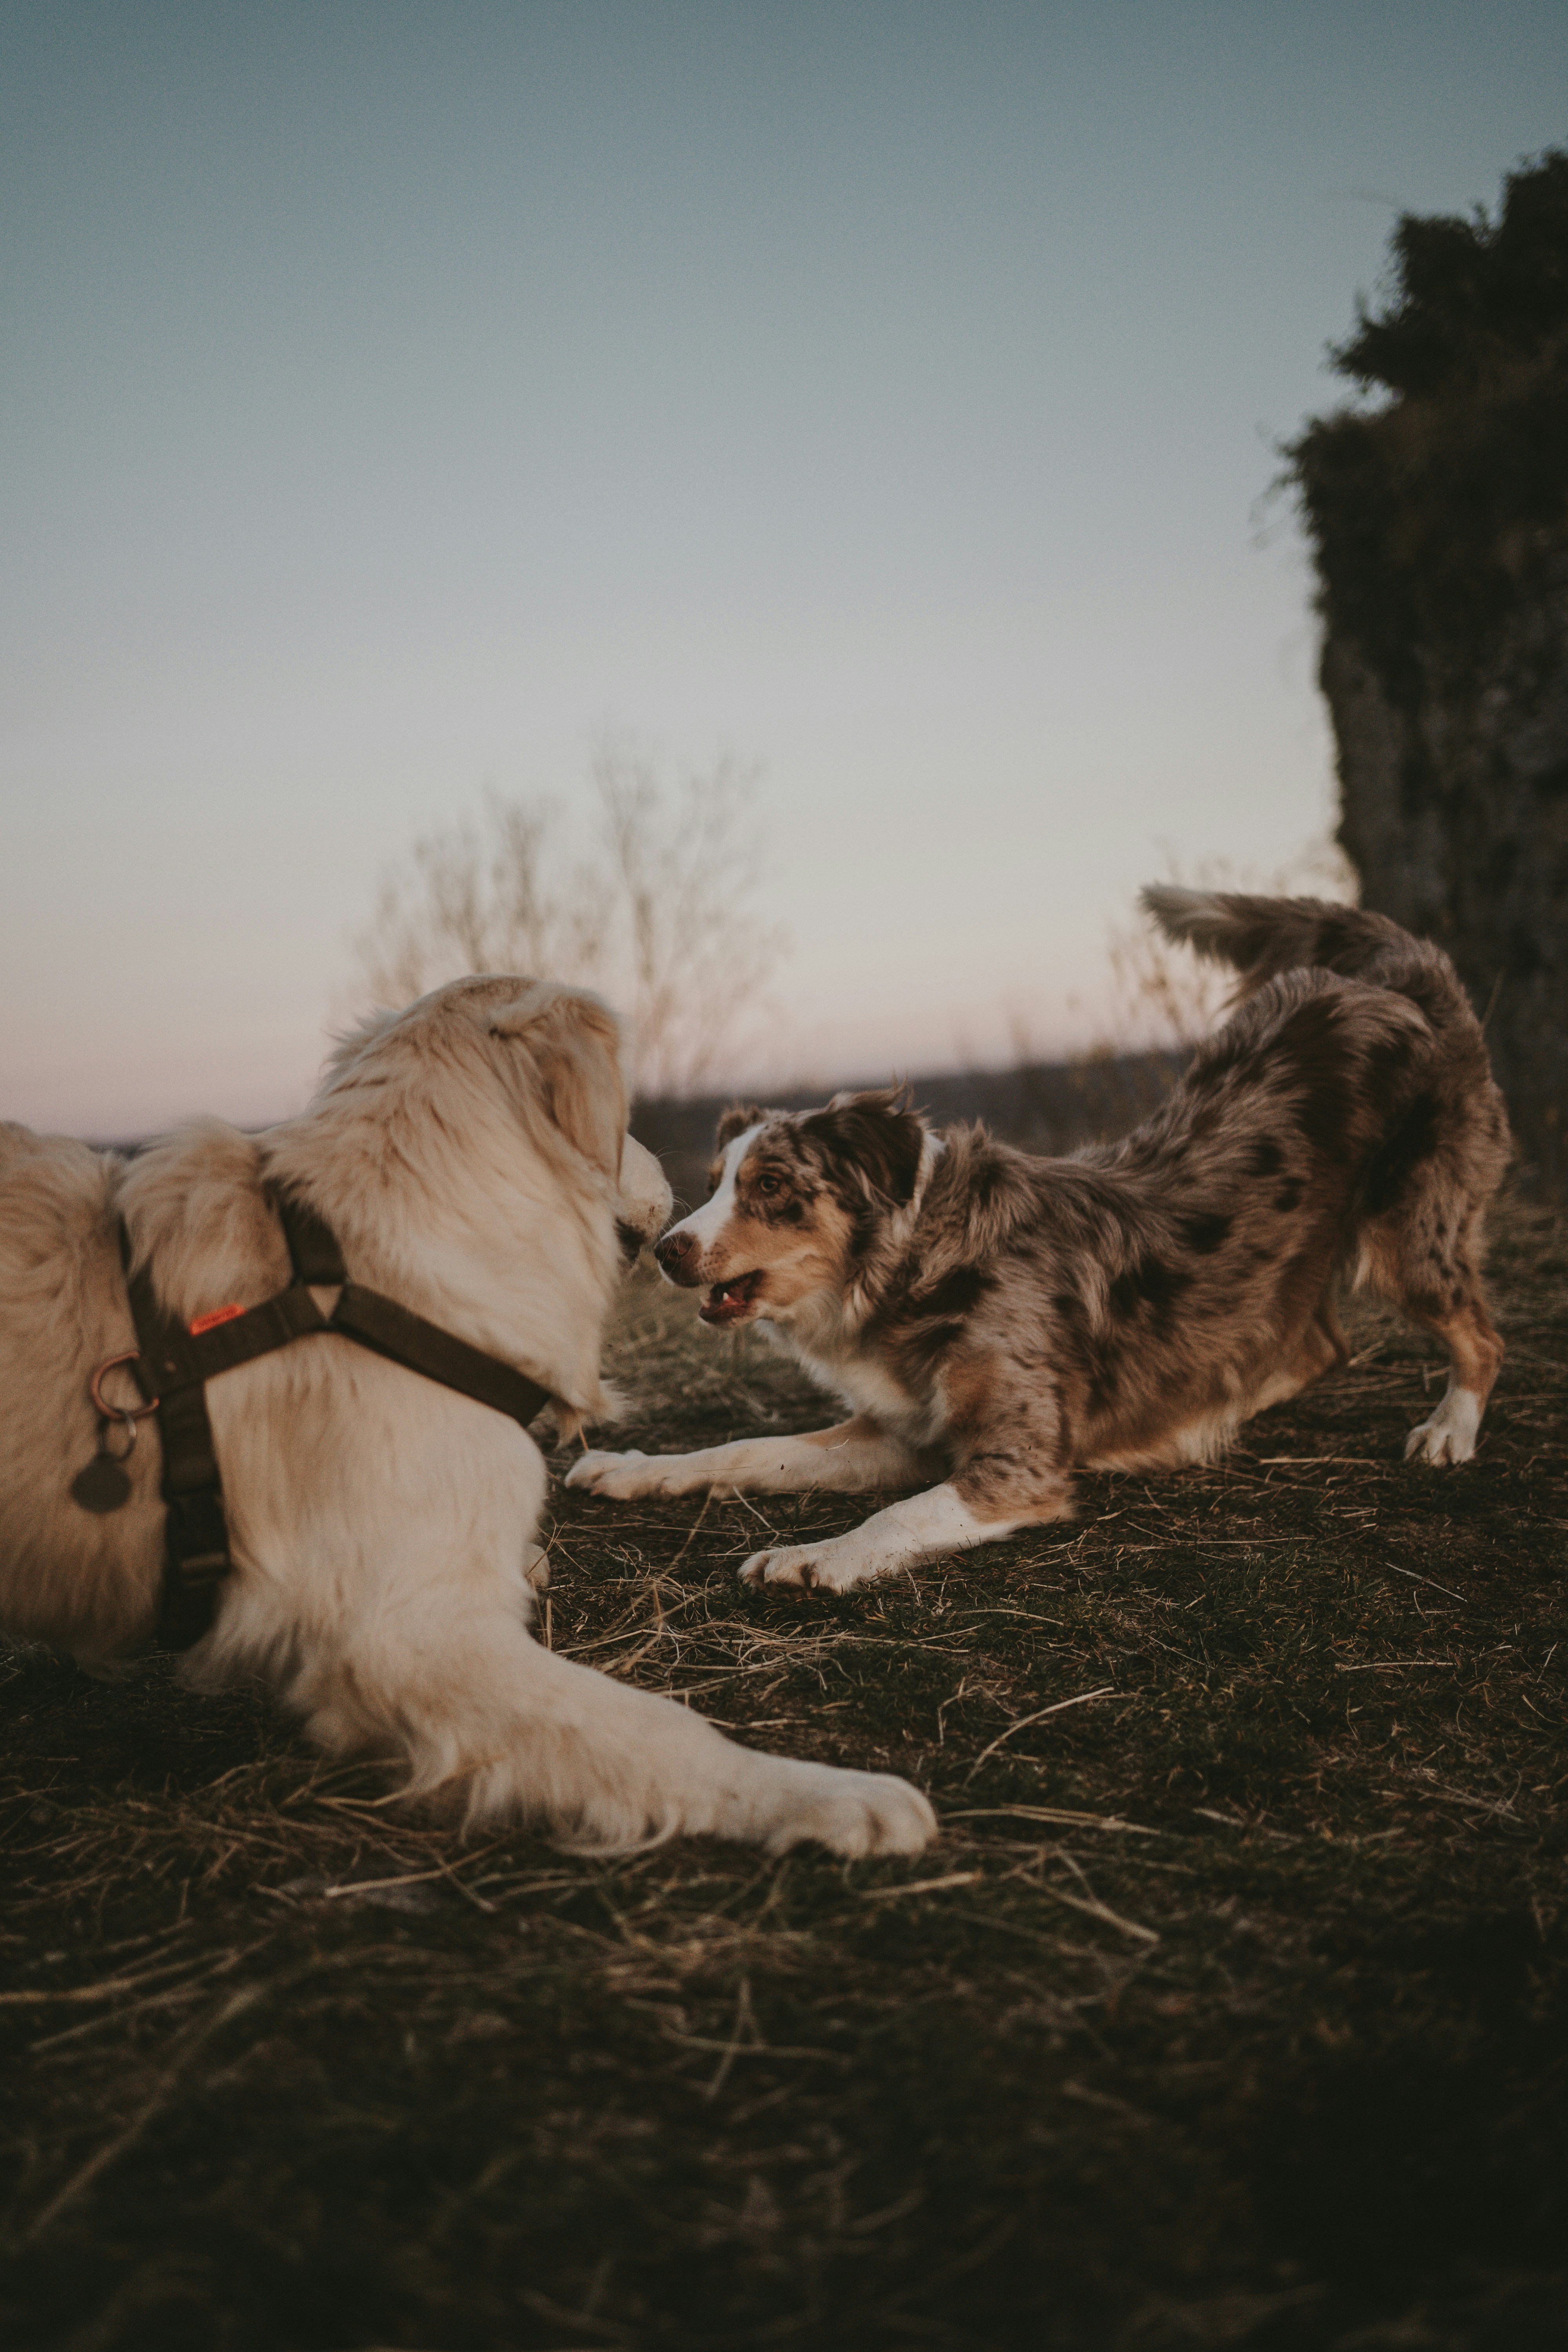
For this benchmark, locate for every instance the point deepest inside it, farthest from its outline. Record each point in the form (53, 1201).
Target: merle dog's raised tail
(1262, 938)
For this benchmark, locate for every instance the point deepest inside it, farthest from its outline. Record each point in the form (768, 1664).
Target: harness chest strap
(174, 1364)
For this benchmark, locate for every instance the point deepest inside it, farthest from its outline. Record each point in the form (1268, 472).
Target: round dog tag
(103, 1486)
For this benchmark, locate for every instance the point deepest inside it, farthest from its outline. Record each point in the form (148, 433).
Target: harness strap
(195, 1532)
(380, 1323)
(174, 1364)
(312, 1244)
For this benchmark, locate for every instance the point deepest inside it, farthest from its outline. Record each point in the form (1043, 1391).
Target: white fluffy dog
(472, 1156)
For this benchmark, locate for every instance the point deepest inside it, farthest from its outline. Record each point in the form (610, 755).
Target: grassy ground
(1229, 2010)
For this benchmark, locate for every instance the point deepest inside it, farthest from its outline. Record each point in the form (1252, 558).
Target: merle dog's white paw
(620, 1475)
(803, 1568)
(1449, 1433)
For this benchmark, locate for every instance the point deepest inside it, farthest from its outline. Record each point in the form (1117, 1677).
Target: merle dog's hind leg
(1321, 1348)
(1433, 1277)
(1475, 1355)
(1423, 1246)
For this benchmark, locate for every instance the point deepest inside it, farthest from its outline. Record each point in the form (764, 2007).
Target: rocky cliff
(1440, 522)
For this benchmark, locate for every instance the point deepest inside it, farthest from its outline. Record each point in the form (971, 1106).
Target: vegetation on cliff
(1434, 517)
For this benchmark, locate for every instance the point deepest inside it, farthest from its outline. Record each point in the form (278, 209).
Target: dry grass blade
(1082, 1698)
(914, 1886)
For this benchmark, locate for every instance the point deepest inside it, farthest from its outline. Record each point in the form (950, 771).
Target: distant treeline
(1052, 1108)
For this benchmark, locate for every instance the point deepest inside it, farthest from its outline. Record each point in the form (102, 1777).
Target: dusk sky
(397, 398)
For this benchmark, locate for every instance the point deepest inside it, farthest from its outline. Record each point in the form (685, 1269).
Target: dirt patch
(1229, 2009)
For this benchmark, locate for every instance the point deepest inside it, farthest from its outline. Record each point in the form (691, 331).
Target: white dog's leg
(849, 1460)
(1449, 1433)
(392, 1607)
(514, 1733)
(919, 1527)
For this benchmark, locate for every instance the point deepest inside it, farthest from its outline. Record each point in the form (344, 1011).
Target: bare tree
(656, 910)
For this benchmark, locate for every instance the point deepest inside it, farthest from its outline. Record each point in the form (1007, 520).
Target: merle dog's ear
(875, 1136)
(736, 1120)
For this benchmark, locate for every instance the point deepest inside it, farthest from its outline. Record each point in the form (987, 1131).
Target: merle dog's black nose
(677, 1254)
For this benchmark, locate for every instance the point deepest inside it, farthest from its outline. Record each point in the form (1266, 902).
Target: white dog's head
(550, 1053)
(473, 1147)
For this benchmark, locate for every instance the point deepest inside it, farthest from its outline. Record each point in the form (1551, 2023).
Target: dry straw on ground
(1229, 2010)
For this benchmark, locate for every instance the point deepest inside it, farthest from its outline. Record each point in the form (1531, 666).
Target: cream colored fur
(472, 1155)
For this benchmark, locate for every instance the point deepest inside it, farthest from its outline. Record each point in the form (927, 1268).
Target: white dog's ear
(573, 1043)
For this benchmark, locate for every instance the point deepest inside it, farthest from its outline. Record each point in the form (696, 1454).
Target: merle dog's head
(795, 1199)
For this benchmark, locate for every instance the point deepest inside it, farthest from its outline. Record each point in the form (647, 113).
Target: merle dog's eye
(712, 1182)
(768, 1185)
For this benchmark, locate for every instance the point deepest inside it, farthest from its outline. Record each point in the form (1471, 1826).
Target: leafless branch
(657, 912)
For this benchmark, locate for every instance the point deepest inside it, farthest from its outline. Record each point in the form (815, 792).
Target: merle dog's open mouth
(727, 1302)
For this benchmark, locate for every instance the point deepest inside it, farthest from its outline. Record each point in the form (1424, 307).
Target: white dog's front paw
(622, 1475)
(851, 1814)
(1449, 1435)
(802, 1567)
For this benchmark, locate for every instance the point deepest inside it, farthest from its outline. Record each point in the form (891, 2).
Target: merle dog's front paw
(801, 1568)
(620, 1475)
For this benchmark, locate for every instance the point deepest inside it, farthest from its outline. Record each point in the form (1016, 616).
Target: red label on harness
(219, 1315)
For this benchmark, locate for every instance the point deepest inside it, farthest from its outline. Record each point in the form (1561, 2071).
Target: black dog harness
(174, 1364)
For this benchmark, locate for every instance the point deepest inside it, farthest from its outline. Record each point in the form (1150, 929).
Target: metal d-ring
(128, 1414)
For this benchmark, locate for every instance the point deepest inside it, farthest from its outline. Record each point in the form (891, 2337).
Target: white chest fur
(863, 1381)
